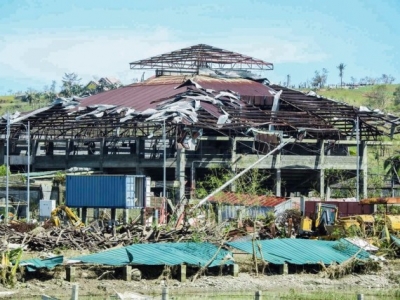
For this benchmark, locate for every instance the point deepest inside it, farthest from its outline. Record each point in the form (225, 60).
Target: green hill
(357, 96)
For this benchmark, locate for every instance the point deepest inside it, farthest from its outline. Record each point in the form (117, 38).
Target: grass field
(12, 104)
(354, 97)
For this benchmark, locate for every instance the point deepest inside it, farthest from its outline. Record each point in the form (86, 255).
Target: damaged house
(203, 107)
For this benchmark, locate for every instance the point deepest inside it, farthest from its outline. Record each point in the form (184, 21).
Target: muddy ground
(385, 281)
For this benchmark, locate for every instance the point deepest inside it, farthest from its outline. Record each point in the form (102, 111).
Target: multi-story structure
(203, 107)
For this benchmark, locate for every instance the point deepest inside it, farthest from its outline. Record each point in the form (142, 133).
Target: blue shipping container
(106, 191)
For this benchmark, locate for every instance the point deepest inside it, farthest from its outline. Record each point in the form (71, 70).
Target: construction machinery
(326, 222)
(72, 217)
(391, 221)
(324, 218)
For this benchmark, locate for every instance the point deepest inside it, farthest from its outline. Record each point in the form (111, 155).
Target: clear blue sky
(41, 40)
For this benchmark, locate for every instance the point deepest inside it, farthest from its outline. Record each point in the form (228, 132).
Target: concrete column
(67, 154)
(125, 214)
(34, 149)
(102, 144)
(322, 183)
(235, 270)
(278, 180)
(364, 168)
(233, 160)
(113, 214)
(182, 273)
(283, 269)
(126, 273)
(258, 295)
(321, 155)
(143, 216)
(75, 292)
(180, 173)
(84, 214)
(164, 295)
(70, 273)
(139, 146)
(2, 152)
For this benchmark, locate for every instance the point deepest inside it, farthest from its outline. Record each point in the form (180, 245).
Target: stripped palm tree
(341, 67)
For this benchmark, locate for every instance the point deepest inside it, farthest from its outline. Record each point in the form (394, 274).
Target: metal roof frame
(201, 56)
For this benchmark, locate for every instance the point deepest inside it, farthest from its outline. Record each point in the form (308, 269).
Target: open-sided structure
(214, 112)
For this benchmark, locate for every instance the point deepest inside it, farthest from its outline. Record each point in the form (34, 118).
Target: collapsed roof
(232, 103)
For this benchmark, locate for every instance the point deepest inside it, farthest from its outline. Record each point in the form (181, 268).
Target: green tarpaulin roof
(302, 251)
(171, 254)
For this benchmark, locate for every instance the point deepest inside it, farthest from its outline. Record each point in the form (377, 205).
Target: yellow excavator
(325, 222)
(391, 221)
(72, 217)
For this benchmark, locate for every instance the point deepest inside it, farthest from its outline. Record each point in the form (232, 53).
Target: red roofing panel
(142, 95)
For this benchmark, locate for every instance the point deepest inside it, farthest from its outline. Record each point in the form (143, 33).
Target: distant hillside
(357, 96)
(12, 104)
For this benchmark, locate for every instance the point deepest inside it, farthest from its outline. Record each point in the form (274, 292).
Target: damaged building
(203, 107)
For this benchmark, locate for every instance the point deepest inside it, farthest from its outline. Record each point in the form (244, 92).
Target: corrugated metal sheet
(197, 254)
(302, 252)
(247, 199)
(105, 191)
(34, 264)
(145, 95)
(231, 211)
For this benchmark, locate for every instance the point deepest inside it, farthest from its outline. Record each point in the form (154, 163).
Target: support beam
(235, 270)
(233, 165)
(70, 273)
(126, 273)
(180, 174)
(182, 273)
(364, 168)
(322, 183)
(84, 214)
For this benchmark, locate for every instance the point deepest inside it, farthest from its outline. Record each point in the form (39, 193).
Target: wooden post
(164, 293)
(182, 273)
(126, 273)
(75, 292)
(360, 297)
(258, 295)
(70, 273)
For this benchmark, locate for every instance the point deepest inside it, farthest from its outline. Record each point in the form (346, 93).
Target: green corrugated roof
(171, 254)
(395, 240)
(36, 263)
(302, 251)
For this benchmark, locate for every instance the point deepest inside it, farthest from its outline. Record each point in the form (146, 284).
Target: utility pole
(165, 164)
(7, 166)
(28, 196)
(358, 158)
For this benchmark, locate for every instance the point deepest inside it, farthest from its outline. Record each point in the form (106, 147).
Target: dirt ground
(53, 284)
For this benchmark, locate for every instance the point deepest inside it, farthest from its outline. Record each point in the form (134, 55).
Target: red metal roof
(141, 96)
(247, 200)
